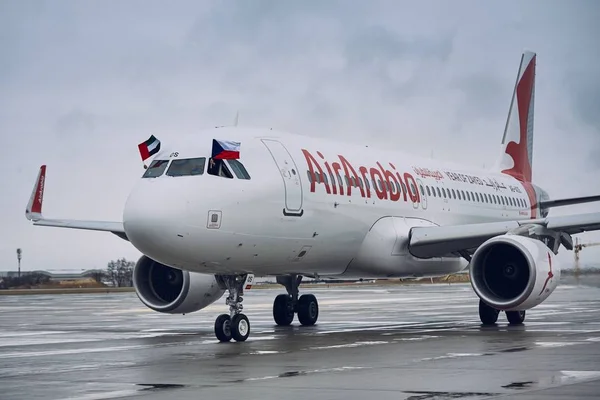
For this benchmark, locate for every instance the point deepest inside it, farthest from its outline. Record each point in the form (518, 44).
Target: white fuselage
(289, 219)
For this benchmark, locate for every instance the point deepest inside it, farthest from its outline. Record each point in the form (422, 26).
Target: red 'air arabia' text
(383, 182)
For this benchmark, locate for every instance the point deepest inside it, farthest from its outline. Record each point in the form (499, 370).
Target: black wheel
(223, 328)
(283, 312)
(488, 315)
(515, 317)
(240, 327)
(308, 309)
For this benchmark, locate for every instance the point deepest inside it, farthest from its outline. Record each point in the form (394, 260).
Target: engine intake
(171, 290)
(512, 272)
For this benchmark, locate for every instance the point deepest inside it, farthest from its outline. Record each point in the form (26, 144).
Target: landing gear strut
(234, 325)
(489, 315)
(286, 305)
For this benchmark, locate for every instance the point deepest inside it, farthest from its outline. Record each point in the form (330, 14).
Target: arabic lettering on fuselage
(427, 173)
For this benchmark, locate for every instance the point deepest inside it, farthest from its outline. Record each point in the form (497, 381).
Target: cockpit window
(187, 167)
(238, 169)
(218, 168)
(156, 169)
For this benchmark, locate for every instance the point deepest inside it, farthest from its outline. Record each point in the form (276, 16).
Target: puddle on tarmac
(418, 395)
(519, 385)
(160, 386)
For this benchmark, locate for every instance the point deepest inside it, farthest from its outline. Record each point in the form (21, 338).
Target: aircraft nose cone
(147, 220)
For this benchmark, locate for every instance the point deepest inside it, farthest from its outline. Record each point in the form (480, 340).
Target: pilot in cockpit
(217, 167)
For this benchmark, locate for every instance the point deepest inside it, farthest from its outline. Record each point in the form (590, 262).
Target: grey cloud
(82, 83)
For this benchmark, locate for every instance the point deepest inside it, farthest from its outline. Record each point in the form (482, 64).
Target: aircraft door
(290, 175)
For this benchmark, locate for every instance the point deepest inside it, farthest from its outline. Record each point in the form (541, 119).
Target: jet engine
(511, 272)
(171, 290)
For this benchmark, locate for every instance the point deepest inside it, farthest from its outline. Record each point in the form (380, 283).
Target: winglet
(34, 207)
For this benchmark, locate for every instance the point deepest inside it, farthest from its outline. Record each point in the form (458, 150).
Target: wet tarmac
(413, 342)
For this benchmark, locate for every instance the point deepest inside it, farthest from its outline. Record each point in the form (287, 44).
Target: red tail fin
(517, 144)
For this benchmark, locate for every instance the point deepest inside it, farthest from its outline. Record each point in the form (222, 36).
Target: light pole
(19, 252)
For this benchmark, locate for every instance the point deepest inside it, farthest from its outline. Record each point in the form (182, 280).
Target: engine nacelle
(512, 272)
(171, 290)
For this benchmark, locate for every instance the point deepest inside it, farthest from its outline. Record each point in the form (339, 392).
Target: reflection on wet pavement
(388, 342)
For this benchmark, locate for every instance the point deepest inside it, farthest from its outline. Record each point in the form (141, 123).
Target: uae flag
(225, 150)
(149, 147)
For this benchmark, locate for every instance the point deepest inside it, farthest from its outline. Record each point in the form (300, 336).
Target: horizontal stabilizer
(568, 202)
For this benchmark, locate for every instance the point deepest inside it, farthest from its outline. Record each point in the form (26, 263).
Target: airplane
(293, 206)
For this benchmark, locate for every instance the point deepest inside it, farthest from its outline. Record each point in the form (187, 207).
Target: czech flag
(225, 150)
(149, 147)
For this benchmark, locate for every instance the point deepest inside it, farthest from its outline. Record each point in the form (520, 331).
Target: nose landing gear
(234, 325)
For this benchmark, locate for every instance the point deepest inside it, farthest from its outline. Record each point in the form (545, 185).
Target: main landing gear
(489, 315)
(286, 305)
(234, 325)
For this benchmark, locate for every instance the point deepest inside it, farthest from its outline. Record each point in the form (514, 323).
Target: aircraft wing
(439, 241)
(34, 213)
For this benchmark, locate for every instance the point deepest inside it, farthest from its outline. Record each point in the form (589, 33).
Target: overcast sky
(82, 83)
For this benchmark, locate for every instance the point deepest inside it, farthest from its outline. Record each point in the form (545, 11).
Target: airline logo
(522, 128)
(36, 207)
(550, 274)
(383, 178)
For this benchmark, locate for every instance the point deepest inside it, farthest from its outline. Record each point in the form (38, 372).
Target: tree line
(117, 273)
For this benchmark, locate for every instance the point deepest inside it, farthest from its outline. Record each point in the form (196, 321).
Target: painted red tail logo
(521, 152)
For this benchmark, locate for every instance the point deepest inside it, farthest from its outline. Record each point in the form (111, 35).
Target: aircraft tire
(308, 309)
(240, 328)
(487, 314)
(283, 314)
(223, 328)
(515, 317)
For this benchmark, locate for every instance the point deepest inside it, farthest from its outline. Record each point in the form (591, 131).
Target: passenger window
(310, 177)
(187, 167)
(403, 187)
(438, 192)
(398, 187)
(156, 169)
(458, 192)
(218, 168)
(339, 179)
(240, 171)
(428, 191)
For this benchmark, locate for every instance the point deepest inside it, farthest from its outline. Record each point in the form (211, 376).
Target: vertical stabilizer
(516, 158)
